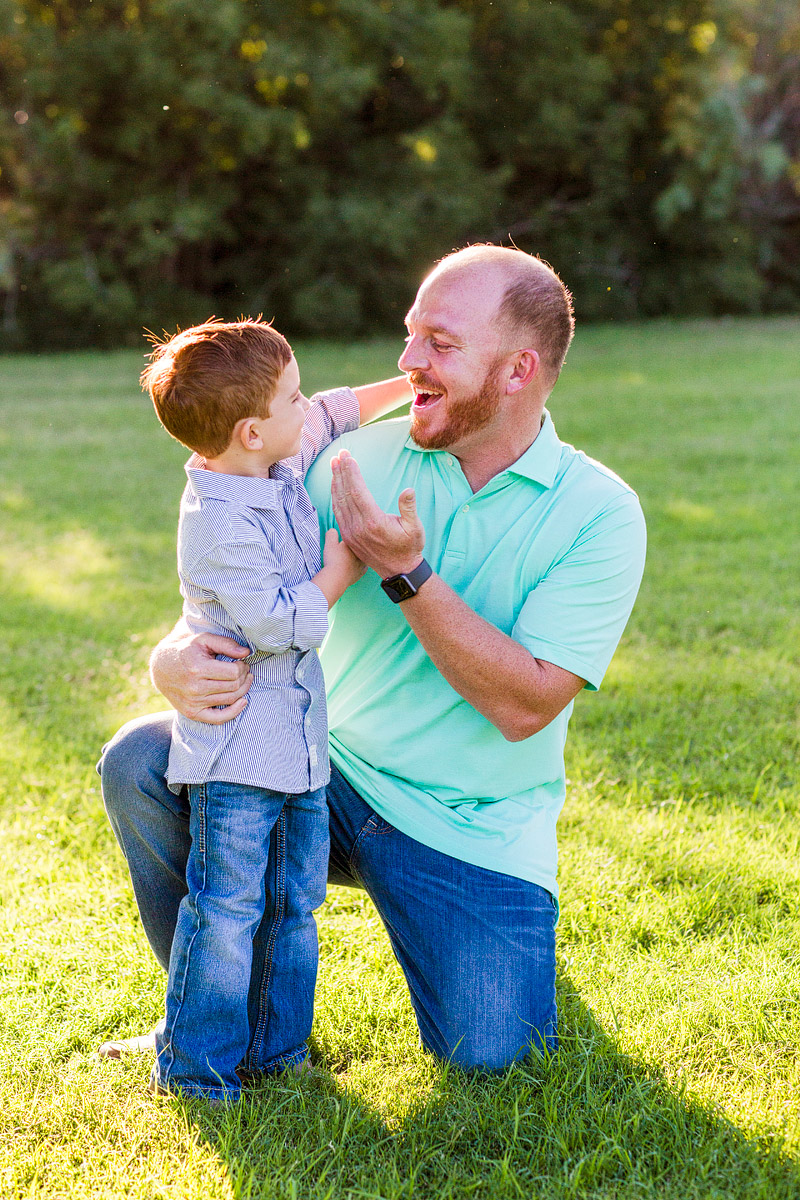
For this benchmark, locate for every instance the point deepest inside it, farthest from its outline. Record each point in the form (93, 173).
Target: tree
(310, 158)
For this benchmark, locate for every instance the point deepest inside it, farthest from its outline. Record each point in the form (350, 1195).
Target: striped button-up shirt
(247, 551)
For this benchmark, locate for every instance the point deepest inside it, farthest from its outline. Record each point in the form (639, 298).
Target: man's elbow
(518, 727)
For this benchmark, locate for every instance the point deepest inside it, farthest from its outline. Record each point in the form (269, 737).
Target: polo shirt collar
(242, 489)
(539, 462)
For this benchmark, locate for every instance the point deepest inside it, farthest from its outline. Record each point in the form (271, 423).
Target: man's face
(453, 358)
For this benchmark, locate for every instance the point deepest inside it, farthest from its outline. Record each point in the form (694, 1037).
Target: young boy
(249, 566)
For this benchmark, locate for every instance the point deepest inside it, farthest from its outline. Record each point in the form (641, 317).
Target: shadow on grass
(592, 1122)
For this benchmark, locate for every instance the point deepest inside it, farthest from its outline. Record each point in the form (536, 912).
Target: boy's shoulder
(212, 497)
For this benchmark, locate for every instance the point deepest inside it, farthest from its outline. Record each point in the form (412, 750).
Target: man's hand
(186, 671)
(390, 545)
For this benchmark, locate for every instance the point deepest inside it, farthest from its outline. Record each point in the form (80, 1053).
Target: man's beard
(464, 417)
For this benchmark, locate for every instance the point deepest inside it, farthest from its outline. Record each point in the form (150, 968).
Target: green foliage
(310, 158)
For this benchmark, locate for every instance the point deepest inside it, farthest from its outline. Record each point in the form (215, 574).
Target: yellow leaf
(425, 150)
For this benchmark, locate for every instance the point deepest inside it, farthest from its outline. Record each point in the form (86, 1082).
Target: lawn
(679, 941)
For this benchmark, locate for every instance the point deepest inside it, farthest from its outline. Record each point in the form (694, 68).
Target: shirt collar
(539, 462)
(243, 489)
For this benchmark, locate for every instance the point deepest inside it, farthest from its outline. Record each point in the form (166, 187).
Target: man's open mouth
(425, 399)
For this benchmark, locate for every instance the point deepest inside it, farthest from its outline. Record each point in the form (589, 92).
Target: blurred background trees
(308, 159)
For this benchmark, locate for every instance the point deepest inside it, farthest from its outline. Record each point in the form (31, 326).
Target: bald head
(535, 309)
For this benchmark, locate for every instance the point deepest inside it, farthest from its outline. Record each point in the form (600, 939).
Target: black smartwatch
(403, 587)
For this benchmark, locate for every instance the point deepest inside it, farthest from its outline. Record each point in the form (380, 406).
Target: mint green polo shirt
(551, 552)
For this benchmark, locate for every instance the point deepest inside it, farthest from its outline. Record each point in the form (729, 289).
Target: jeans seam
(280, 906)
(202, 800)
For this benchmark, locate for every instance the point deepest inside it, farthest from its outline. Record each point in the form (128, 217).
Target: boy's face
(282, 429)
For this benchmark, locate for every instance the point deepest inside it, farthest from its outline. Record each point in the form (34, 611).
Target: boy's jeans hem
(186, 1090)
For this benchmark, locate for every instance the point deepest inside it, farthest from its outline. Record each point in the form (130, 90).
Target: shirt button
(449, 461)
(465, 508)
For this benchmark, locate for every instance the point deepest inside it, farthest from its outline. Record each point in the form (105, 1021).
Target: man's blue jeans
(477, 947)
(256, 856)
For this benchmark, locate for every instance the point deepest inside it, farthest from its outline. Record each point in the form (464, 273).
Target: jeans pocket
(376, 826)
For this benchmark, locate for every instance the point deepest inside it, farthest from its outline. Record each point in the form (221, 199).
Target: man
(507, 579)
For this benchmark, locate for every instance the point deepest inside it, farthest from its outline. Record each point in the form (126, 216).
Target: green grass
(679, 947)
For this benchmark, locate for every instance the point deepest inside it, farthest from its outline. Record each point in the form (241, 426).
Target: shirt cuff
(310, 616)
(568, 660)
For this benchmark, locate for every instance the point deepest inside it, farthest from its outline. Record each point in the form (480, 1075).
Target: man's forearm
(517, 693)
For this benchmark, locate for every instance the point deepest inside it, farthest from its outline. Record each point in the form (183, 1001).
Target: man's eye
(440, 346)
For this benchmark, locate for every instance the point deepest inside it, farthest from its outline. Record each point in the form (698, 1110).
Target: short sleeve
(576, 615)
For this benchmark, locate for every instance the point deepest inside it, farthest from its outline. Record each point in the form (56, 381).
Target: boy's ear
(248, 432)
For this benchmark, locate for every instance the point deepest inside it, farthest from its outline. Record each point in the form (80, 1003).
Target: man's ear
(525, 368)
(248, 431)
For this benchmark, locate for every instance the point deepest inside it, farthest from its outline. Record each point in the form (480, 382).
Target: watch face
(403, 588)
(398, 588)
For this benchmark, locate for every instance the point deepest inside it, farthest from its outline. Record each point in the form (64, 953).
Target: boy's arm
(246, 580)
(377, 399)
(341, 410)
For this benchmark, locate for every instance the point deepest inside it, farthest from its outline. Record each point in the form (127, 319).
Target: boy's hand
(340, 558)
(340, 568)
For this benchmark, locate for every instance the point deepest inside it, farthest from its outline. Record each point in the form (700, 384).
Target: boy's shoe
(144, 1044)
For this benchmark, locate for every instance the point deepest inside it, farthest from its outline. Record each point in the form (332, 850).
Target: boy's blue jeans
(477, 947)
(257, 857)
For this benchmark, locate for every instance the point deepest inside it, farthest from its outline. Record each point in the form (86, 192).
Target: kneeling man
(499, 591)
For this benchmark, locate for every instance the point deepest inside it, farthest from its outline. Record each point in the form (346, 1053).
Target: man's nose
(413, 357)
